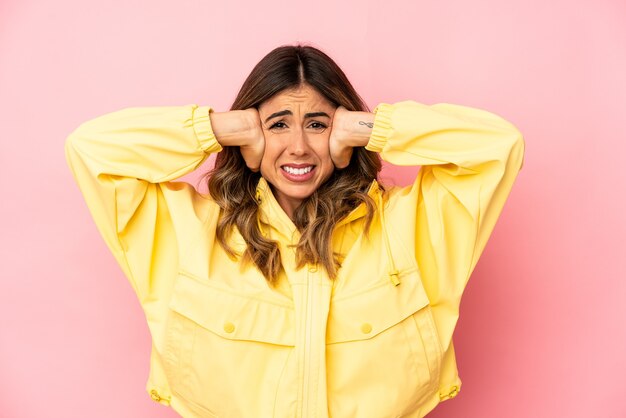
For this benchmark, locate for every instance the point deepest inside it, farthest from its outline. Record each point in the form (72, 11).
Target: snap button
(313, 268)
(155, 395)
(366, 328)
(229, 327)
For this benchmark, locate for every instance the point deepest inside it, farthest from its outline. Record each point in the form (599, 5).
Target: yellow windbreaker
(376, 342)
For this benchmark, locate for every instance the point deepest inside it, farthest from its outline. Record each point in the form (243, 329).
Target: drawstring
(393, 272)
(258, 215)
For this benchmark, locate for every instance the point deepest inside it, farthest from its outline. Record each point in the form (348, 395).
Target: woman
(299, 286)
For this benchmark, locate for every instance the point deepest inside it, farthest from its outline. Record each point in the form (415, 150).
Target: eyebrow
(288, 112)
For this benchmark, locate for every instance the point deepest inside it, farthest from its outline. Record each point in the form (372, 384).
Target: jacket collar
(361, 210)
(272, 215)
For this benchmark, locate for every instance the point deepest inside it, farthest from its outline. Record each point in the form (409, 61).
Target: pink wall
(542, 330)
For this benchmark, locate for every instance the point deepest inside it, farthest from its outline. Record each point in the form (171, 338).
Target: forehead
(305, 97)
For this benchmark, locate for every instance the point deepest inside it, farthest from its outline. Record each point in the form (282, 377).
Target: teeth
(298, 171)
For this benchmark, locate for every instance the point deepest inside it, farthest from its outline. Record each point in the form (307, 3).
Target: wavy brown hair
(233, 185)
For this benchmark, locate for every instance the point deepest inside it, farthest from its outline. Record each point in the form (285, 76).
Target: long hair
(233, 185)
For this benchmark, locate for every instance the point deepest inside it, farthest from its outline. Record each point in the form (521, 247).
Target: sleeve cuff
(203, 129)
(382, 127)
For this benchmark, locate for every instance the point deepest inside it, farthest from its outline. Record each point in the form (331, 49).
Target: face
(296, 124)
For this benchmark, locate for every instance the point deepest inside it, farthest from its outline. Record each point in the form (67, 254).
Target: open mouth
(297, 171)
(300, 172)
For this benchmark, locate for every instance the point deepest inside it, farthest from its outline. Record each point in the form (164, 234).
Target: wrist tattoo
(368, 124)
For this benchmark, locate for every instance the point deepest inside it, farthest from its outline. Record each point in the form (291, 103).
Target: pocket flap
(231, 315)
(364, 315)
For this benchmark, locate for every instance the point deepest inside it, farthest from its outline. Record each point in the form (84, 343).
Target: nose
(298, 145)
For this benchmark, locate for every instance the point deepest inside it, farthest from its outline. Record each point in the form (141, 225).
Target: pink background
(542, 330)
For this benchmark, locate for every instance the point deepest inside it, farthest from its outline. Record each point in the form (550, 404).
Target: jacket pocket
(383, 350)
(219, 343)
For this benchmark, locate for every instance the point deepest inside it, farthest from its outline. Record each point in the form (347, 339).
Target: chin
(301, 194)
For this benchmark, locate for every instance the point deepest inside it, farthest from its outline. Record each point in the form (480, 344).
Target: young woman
(299, 286)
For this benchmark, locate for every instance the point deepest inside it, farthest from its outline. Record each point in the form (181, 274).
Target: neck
(288, 205)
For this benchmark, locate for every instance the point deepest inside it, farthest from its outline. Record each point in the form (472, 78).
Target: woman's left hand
(349, 130)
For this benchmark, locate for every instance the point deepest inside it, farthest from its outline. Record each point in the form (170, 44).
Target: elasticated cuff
(203, 129)
(382, 127)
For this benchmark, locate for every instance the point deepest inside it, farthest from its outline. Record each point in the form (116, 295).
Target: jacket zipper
(308, 347)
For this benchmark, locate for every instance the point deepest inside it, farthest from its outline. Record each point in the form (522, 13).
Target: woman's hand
(252, 150)
(241, 128)
(349, 130)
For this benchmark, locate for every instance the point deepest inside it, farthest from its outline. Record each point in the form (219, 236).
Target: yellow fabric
(227, 345)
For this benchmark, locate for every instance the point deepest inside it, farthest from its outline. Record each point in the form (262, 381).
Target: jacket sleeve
(469, 160)
(123, 162)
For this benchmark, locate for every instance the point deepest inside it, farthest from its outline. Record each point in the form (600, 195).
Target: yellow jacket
(376, 342)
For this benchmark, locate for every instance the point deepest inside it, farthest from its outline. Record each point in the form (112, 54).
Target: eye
(279, 125)
(318, 125)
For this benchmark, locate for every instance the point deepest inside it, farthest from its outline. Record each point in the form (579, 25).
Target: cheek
(271, 152)
(322, 149)
(323, 153)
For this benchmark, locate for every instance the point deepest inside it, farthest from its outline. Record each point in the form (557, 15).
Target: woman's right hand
(241, 128)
